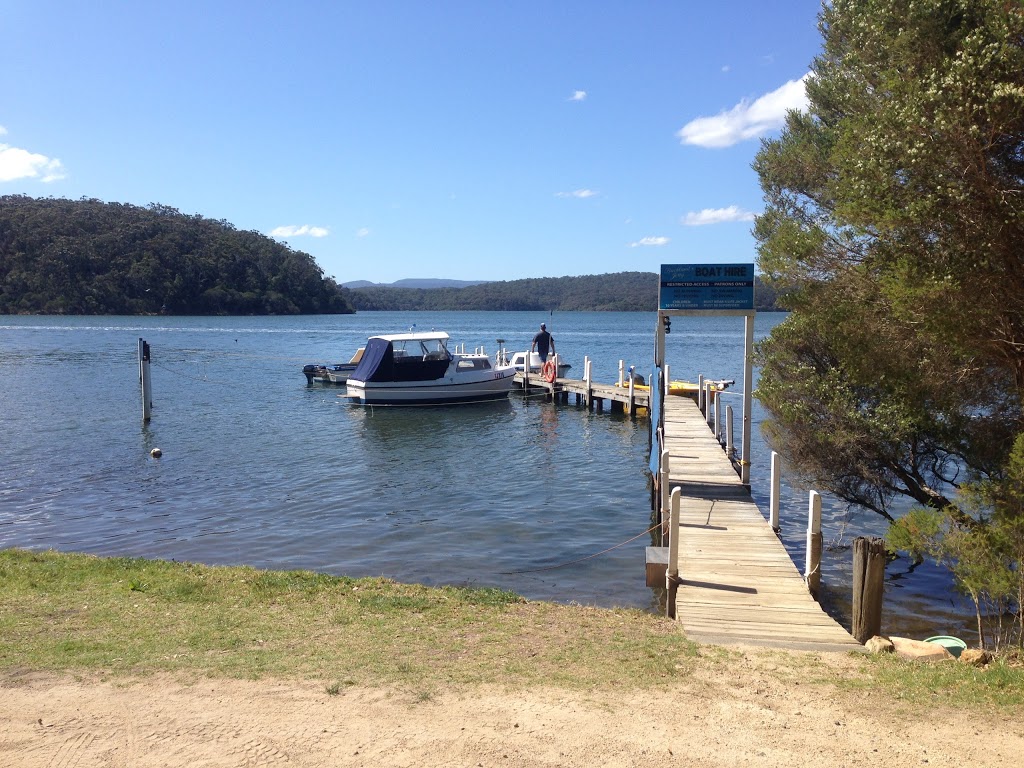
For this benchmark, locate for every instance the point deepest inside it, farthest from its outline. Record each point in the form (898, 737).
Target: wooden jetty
(736, 583)
(620, 398)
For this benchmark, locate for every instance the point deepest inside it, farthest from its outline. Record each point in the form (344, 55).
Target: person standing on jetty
(541, 342)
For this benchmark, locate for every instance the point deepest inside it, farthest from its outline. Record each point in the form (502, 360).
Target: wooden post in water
(147, 385)
(812, 569)
(868, 587)
(672, 573)
(526, 372)
(776, 492)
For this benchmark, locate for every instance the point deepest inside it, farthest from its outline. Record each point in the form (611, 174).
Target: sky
(459, 139)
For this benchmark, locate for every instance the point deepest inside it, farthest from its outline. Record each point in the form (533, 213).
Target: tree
(90, 257)
(893, 227)
(986, 560)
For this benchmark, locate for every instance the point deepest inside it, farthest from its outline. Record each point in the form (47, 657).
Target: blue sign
(707, 286)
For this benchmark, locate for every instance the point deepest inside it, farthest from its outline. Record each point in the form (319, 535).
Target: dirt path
(751, 719)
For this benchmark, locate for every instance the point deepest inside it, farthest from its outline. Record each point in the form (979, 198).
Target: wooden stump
(868, 582)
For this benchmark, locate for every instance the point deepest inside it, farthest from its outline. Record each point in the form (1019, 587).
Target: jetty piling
(868, 587)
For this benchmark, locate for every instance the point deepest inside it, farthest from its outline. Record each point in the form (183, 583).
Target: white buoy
(156, 453)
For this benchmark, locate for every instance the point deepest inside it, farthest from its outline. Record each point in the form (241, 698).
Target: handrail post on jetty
(717, 428)
(672, 572)
(700, 393)
(728, 432)
(776, 492)
(663, 510)
(622, 369)
(812, 569)
(586, 378)
(748, 392)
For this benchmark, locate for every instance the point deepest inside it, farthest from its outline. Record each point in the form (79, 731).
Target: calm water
(261, 469)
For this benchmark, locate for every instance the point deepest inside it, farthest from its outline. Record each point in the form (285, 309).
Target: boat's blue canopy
(380, 364)
(377, 363)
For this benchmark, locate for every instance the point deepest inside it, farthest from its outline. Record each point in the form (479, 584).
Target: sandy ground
(750, 719)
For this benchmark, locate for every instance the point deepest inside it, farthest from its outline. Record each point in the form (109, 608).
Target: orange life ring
(549, 371)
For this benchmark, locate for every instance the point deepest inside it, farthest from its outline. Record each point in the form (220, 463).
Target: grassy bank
(117, 616)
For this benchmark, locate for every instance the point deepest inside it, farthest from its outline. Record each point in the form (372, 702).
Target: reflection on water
(259, 468)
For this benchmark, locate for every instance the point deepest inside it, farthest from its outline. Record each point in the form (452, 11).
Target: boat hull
(430, 392)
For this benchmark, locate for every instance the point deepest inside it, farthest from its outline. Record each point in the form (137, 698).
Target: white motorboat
(518, 361)
(418, 369)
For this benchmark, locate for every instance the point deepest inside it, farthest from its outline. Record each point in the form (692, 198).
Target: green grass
(922, 684)
(80, 614)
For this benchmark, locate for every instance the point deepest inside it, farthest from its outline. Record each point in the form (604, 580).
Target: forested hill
(622, 292)
(89, 257)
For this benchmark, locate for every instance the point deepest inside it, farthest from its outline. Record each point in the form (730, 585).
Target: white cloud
(582, 194)
(748, 119)
(716, 216)
(304, 231)
(650, 241)
(17, 163)
(2, 130)
(363, 232)
(578, 96)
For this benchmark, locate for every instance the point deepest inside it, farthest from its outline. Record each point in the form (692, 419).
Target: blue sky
(454, 139)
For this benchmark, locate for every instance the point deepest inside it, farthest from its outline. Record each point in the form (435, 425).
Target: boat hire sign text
(707, 287)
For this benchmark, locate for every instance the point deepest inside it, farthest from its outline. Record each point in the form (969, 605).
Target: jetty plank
(737, 583)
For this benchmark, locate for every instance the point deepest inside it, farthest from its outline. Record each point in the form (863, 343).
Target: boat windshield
(428, 349)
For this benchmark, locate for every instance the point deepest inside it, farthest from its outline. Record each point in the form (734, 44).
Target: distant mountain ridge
(623, 291)
(617, 292)
(413, 282)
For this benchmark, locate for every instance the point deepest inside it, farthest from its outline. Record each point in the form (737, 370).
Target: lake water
(550, 501)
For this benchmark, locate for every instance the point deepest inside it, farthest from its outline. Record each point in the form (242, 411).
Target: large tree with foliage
(894, 219)
(86, 256)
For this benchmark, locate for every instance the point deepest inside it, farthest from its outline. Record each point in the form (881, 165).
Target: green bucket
(952, 644)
